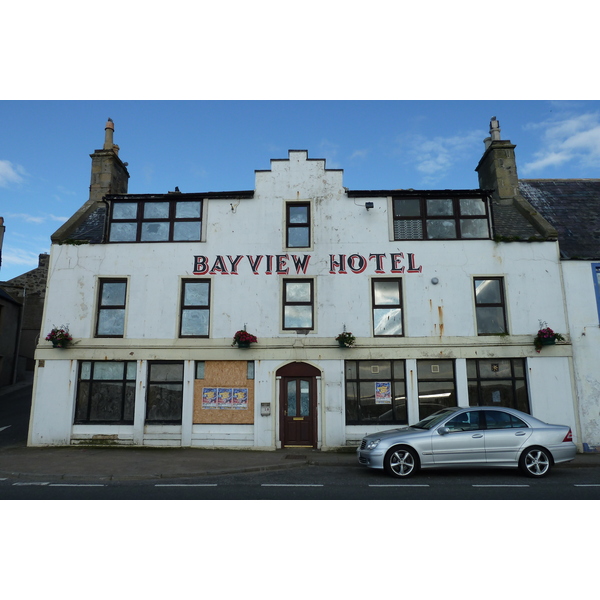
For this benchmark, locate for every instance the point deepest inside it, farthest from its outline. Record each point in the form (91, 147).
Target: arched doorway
(298, 405)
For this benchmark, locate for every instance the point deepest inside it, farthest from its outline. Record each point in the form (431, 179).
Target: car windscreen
(434, 419)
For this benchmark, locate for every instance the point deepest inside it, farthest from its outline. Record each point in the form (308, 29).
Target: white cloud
(359, 154)
(10, 173)
(434, 157)
(38, 219)
(569, 138)
(18, 256)
(25, 217)
(329, 151)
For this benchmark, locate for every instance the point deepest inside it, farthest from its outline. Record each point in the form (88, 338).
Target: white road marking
(185, 485)
(400, 485)
(77, 485)
(587, 484)
(501, 486)
(291, 485)
(32, 483)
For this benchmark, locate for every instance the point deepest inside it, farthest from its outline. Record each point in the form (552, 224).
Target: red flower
(244, 337)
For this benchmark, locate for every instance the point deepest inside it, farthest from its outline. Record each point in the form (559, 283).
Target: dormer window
(155, 220)
(440, 218)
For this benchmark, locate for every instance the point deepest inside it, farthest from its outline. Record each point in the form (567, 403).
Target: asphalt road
(325, 483)
(14, 417)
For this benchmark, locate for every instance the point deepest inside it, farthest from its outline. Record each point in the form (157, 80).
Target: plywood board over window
(224, 375)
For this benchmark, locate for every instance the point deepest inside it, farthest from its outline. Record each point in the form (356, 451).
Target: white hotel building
(443, 301)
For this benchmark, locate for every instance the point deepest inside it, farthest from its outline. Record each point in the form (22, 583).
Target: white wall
(439, 319)
(585, 333)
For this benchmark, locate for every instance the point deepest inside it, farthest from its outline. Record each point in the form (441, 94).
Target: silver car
(476, 437)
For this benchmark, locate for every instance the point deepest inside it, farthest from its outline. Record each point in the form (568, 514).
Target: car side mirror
(443, 430)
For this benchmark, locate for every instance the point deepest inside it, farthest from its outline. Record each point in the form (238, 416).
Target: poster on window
(209, 397)
(225, 398)
(240, 398)
(383, 392)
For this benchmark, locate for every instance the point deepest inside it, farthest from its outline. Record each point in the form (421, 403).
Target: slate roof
(4, 295)
(92, 228)
(572, 206)
(510, 223)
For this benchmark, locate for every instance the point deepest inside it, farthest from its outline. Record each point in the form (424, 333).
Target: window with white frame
(195, 308)
(155, 220)
(110, 318)
(298, 304)
(375, 392)
(498, 382)
(387, 307)
(437, 386)
(490, 308)
(297, 225)
(106, 392)
(164, 400)
(596, 275)
(426, 218)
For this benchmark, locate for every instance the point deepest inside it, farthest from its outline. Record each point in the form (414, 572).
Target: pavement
(143, 463)
(127, 463)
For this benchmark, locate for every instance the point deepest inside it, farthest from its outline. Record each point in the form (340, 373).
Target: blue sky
(217, 145)
(395, 94)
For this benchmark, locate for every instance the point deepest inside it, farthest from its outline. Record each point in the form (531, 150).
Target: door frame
(299, 369)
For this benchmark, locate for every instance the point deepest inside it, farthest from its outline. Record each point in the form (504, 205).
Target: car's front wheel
(535, 462)
(401, 461)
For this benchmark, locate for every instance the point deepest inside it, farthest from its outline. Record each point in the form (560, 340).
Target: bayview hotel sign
(299, 264)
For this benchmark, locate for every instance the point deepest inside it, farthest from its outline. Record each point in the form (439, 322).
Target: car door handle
(520, 433)
(478, 435)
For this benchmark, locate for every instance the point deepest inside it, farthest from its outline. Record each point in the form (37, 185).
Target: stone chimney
(497, 171)
(497, 168)
(109, 173)
(109, 176)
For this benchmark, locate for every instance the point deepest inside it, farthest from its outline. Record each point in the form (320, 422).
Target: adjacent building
(572, 206)
(443, 291)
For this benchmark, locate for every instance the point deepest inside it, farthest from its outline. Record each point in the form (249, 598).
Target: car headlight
(372, 444)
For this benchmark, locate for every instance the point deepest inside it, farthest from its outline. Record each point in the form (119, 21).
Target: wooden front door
(298, 405)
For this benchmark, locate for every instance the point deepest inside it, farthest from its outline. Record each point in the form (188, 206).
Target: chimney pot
(495, 129)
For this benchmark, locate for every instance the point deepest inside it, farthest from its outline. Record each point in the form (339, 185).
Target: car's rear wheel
(401, 461)
(535, 462)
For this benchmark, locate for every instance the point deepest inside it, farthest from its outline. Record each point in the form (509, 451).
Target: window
(468, 421)
(111, 308)
(195, 308)
(298, 300)
(495, 419)
(297, 225)
(489, 306)
(437, 387)
(440, 218)
(596, 275)
(375, 392)
(498, 382)
(165, 393)
(106, 392)
(158, 220)
(200, 369)
(387, 307)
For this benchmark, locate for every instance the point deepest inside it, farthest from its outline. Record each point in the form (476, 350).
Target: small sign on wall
(225, 398)
(383, 392)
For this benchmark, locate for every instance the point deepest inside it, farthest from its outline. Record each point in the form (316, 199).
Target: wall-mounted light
(368, 205)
